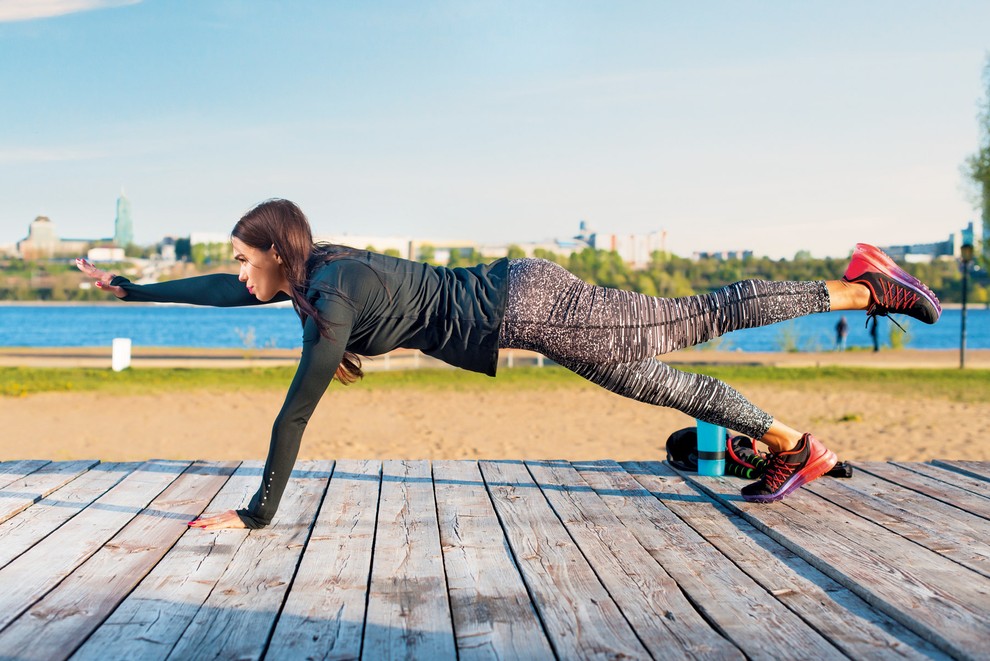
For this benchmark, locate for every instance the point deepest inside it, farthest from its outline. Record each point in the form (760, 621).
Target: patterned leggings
(612, 337)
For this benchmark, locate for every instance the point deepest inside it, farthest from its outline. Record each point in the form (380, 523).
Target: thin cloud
(31, 155)
(28, 10)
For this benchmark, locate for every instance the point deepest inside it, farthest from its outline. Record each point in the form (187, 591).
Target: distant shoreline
(112, 301)
(193, 357)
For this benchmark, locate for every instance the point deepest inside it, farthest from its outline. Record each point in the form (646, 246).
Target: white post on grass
(121, 358)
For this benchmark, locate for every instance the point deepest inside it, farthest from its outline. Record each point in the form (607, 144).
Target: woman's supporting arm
(320, 358)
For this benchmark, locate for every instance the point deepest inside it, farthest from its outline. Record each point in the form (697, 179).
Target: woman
(357, 302)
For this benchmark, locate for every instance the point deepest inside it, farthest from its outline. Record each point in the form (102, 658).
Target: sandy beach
(569, 423)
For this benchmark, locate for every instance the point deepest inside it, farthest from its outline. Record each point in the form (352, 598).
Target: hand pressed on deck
(228, 519)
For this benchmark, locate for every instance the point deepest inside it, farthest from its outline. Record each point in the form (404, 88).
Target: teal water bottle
(711, 449)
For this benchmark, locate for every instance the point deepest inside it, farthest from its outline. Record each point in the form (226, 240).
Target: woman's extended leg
(550, 310)
(612, 337)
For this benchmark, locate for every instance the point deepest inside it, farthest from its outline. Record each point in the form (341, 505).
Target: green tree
(426, 253)
(515, 252)
(464, 257)
(978, 165)
(183, 249)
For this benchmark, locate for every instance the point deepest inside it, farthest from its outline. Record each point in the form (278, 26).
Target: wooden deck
(492, 559)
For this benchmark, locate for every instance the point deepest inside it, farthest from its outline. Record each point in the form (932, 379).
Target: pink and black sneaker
(788, 471)
(892, 289)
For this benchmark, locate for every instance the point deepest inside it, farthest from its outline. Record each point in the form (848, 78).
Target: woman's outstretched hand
(228, 519)
(102, 278)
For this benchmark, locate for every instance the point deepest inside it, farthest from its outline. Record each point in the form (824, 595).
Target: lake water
(54, 325)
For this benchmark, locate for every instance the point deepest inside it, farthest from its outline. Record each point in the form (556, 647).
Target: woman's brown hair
(281, 224)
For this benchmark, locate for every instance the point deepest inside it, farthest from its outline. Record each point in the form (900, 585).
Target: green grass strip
(954, 384)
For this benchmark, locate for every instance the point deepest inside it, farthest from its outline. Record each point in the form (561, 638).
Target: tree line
(666, 275)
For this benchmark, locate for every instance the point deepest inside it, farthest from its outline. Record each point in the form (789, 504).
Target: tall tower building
(123, 227)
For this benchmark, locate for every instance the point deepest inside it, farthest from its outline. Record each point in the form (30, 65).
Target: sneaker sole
(814, 470)
(883, 264)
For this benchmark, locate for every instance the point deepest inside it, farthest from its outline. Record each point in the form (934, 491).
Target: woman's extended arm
(218, 290)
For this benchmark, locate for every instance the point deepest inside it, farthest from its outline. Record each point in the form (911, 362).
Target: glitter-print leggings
(612, 337)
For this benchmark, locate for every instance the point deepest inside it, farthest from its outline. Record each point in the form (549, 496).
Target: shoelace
(875, 311)
(895, 299)
(778, 471)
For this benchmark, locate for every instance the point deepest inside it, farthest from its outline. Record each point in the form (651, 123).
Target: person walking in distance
(841, 332)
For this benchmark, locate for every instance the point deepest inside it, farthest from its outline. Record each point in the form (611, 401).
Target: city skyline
(729, 126)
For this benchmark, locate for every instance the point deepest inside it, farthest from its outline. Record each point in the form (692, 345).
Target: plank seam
(295, 570)
(206, 598)
(877, 601)
(20, 613)
(944, 500)
(443, 563)
(371, 565)
(812, 489)
(81, 510)
(515, 563)
(958, 469)
(150, 569)
(580, 550)
(731, 515)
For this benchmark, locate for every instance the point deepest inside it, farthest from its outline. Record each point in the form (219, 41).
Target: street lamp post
(966, 254)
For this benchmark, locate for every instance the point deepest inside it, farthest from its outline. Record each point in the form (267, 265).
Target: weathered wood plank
(12, 471)
(60, 622)
(19, 495)
(323, 616)
(408, 608)
(149, 622)
(237, 618)
(940, 528)
(978, 469)
(736, 604)
(961, 480)
(935, 597)
(580, 617)
(663, 619)
(844, 619)
(493, 615)
(32, 525)
(936, 489)
(29, 577)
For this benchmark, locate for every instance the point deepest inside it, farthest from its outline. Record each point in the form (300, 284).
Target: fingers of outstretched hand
(228, 519)
(88, 268)
(102, 278)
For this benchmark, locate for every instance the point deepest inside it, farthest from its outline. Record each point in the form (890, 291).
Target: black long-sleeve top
(373, 304)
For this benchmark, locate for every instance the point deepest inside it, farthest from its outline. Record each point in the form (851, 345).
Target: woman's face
(261, 270)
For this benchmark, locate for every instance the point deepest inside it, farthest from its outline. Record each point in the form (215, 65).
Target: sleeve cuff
(252, 522)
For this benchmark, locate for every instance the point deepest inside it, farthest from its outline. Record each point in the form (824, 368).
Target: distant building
(43, 242)
(927, 252)
(437, 251)
(634, 249)
(723, 255)
(106, 254)
(123, 226)
(208, 238)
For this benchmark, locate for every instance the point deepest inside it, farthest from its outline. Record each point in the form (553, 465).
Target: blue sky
(772, 126)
